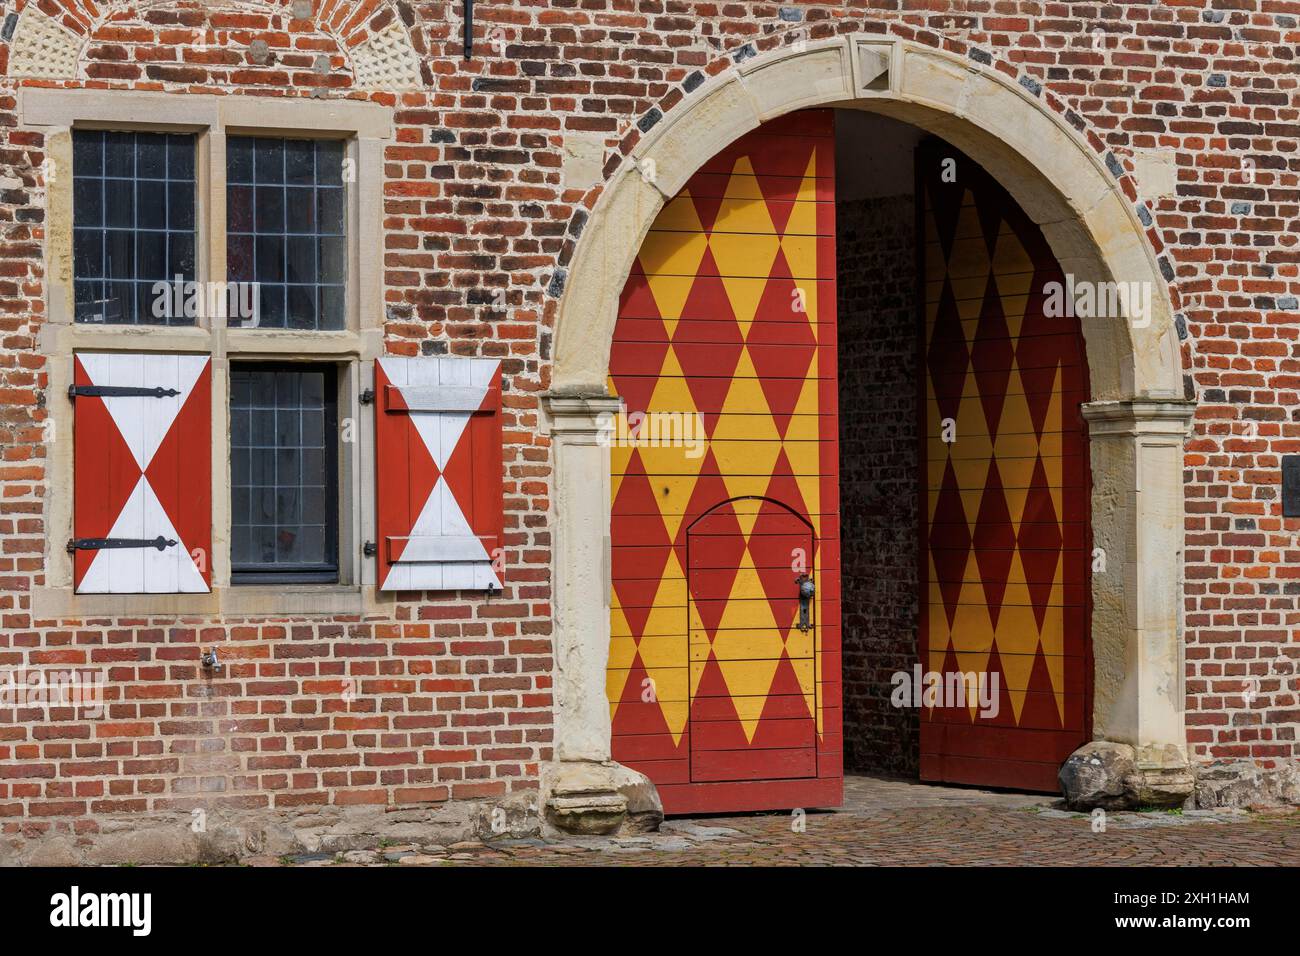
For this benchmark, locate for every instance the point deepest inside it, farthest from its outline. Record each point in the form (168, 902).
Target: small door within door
(752, 640)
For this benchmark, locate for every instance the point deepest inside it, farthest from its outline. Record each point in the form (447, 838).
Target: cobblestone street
(891, 822)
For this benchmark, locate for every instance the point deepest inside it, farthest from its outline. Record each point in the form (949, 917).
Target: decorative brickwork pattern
(43, 47)
(387, 61)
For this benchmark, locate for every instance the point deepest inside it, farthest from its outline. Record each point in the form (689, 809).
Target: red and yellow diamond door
(1005, 489)
(723, 689)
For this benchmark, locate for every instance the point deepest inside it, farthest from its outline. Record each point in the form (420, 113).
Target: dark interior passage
(877, 289)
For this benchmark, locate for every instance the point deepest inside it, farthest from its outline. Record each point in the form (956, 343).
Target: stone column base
(1120, 777)
(589, 798)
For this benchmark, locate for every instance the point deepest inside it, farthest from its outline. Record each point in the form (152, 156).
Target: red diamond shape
(948, 357)
(643, 545)
(788, 345)
(950, 542)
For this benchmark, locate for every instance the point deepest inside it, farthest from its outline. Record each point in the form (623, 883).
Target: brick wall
(876, 248)
(455, 691)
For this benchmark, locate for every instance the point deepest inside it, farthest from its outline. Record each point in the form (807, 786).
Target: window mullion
(212, 214)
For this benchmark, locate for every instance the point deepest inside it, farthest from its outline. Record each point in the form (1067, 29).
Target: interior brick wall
(876, 248)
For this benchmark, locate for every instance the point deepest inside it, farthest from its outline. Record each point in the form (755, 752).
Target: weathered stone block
(1095, 775)
(1111, 776)
(1245, 785)
(645, 811)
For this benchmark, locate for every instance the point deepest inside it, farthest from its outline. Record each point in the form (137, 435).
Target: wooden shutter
(142, 489)
(439, 461)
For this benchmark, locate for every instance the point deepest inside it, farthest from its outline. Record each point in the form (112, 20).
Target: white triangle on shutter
(143, 570)
(144, 421)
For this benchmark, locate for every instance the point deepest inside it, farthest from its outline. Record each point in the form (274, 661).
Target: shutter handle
(370, 549)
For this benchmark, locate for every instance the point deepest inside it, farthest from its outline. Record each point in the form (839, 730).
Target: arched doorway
(1137, 415)
(739, 382)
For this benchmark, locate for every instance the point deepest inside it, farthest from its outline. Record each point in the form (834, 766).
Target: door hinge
(102, 544)
(368, 397)
(119, 391)
(370, 549)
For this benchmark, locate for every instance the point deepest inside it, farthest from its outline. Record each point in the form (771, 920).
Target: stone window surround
(366, 128)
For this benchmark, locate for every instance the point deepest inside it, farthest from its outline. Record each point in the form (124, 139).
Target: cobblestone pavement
(891, 822)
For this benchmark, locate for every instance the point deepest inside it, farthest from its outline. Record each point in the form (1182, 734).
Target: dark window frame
(263, 240)
(102, 182)
(270, 574)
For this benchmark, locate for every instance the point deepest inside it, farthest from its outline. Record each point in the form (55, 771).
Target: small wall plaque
(1291, 486)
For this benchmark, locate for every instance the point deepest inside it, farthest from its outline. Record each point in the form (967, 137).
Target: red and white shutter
(439, 461)
(142, 488)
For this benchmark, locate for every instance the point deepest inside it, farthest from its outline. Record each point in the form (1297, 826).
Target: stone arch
(1022, 135)
(1090, 213)
(50, 39)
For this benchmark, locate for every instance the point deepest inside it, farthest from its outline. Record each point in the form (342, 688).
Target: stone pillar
(583, 789)
(1136, 453)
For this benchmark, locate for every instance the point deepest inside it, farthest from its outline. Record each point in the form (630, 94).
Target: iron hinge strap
(119, 391)
(102, 544)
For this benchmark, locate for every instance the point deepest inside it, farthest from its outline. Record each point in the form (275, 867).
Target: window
(285, 210)
(284, 473)
(133, 225)
(239, 197)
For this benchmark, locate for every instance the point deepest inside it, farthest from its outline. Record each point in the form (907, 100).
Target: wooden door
(1005, 546)
(727, 330)
(752, 661)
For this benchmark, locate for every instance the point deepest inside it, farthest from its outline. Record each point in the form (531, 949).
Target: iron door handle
(806, 592)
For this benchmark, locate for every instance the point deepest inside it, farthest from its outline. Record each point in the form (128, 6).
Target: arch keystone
(872, 67)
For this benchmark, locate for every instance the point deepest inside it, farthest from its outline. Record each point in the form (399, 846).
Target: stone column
(1136, 453)
(583, 789)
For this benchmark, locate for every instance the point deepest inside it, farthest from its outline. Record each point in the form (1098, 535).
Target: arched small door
(752, 640)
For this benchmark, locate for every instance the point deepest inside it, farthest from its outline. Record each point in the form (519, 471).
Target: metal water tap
(211, 663)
